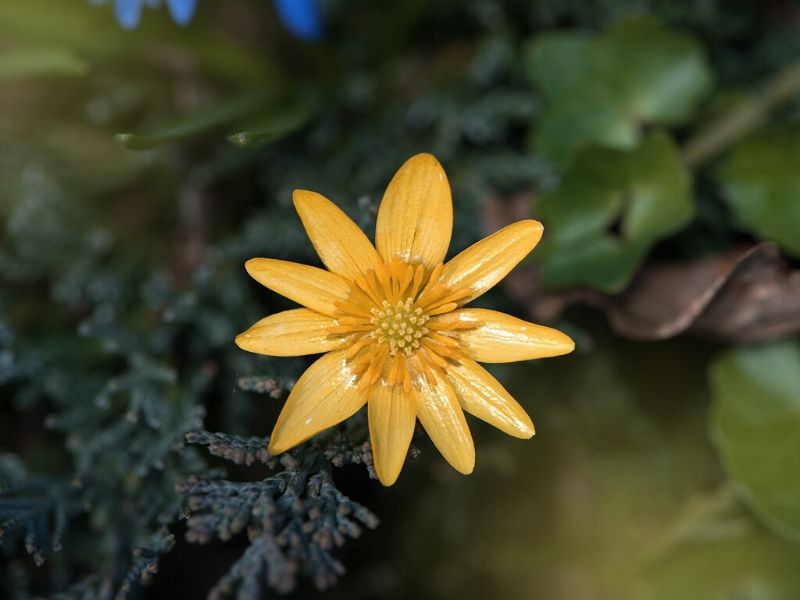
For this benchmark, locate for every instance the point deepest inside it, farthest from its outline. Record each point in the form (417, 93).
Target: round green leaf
(661, 74)
(761, 184)
(753, 566)
(755, 425)
(611, 208)
(603, 88)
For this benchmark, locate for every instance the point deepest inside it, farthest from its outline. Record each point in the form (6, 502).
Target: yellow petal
(391, 426)
(443, 419)
(314, 288)
(326, 394)
(496, 337)
(481, 395)
(291, 333)
(415, 219)
(340, 243)
(478, 268)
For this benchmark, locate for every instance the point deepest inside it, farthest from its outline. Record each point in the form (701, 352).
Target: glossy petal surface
(415, 219)
(478, 268)
(314, 288)
(340, 243)
(482, 396)
(441, 415)
(497, 337)
(391, 427)
(291, 333)
(325, 395)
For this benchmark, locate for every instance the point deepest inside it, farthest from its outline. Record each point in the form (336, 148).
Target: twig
(747, 115)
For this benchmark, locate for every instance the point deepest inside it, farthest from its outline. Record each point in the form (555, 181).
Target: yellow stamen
(419, 273)
(356, 347)
(397, 326)
(444, 308)
(432, 355)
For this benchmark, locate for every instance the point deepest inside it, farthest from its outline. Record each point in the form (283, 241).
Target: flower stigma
(400, 325)
(396, 337)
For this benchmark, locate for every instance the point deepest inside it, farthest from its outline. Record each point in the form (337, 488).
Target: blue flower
(301, 18)
(129, 12)
(182, 11)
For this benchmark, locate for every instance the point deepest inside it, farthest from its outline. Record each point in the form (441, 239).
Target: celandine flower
(391, 321)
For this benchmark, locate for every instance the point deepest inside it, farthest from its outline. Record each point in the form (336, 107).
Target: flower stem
(745, 116)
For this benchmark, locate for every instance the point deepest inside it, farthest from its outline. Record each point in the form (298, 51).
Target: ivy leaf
(753, 565)
(603, 88)
(611, 208)
(761, 184)
(754, 424)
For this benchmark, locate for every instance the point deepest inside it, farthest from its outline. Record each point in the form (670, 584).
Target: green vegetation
(656, 141)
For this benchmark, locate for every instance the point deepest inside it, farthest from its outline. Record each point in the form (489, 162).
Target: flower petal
(391, 427)
(182, 11)
(314, 288)
(481, 395)
(128, 13)
(415, 219)
(443, 419)
(340, 243)
(326, 394)
(478, 268)
(301, 18)
(496, 337)
(291, 333)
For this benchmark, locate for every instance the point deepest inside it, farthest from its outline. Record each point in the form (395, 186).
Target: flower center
(391, 324)
(400, 325)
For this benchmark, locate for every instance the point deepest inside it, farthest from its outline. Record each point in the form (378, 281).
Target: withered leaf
(743, 295)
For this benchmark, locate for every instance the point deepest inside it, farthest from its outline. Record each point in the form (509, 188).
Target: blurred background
(147, 149)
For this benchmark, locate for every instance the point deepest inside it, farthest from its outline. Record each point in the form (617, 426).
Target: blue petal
(301, 18)
(128, 12)
(182, 11)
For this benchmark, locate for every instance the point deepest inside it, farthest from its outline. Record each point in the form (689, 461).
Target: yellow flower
(390, 319)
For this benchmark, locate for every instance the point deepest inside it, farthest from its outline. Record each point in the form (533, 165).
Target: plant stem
(747, 115)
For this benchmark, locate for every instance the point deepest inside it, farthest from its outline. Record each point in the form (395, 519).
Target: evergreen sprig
(31, 508)
(294, 518)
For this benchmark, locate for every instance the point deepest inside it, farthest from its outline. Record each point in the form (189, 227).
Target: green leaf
(756, 565)
(604, 88)
(35, 62)
(761, 184)
(276, 125)
(755, 425)
(216, 116)
(93, 33)
(611, 208)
